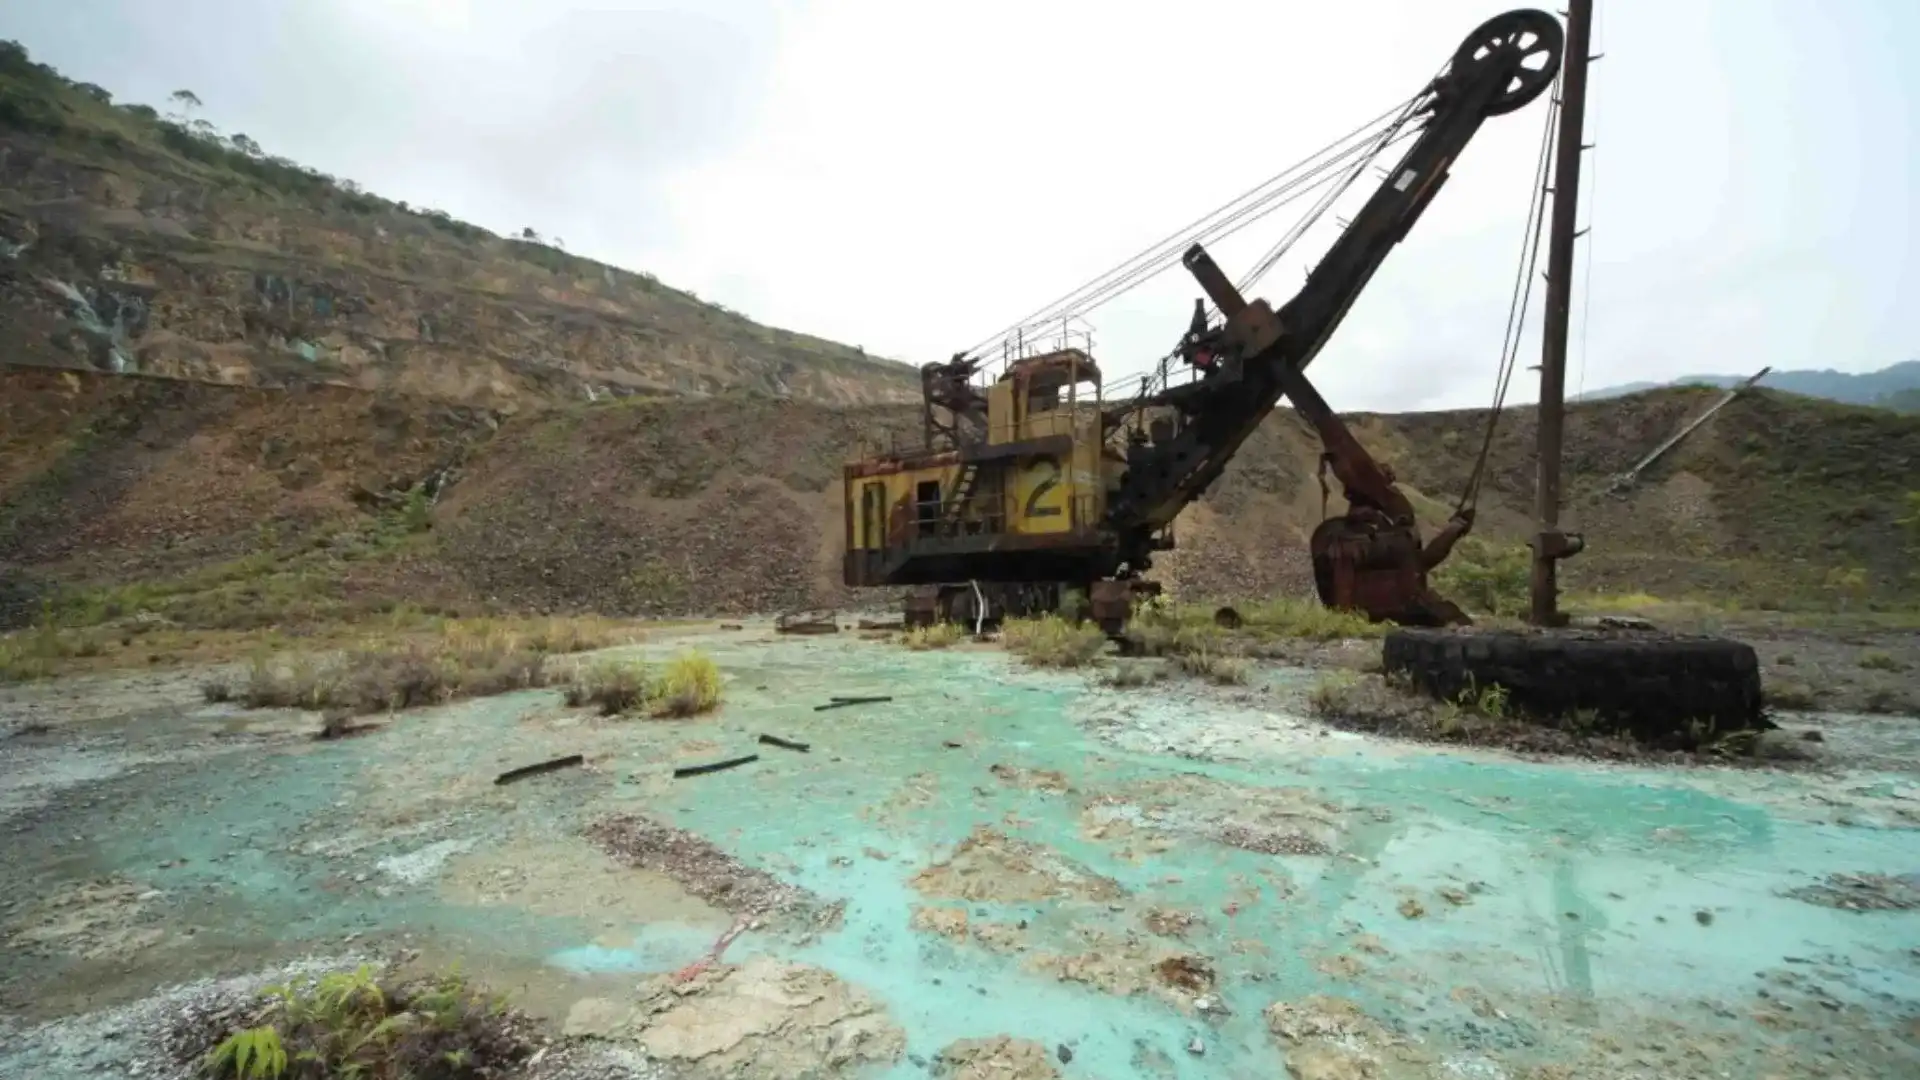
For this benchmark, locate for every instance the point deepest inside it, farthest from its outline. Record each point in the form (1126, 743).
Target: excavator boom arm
(1503, 65)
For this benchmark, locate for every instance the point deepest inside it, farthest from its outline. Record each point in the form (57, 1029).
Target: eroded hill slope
(242, 504)
(131, 243)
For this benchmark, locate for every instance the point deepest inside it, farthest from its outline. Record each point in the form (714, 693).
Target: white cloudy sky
(913, 177)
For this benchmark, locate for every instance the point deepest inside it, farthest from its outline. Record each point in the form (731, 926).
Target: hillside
(240, 506)
(134, 243)
(1895, 387)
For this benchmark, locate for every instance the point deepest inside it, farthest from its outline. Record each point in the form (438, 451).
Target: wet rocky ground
(997, 873)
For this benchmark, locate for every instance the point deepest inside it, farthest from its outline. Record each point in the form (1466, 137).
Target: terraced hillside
(133, 243)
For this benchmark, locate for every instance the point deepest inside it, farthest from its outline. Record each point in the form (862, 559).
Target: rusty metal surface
(1375, 569)
(890, 464)
(1370, 560)
(806, 622)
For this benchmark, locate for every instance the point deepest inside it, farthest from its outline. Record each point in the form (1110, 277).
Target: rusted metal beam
(1627, 479)
(1550, 545)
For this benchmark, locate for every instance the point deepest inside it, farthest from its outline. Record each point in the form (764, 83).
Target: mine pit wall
(733, 505)
(713, 507)
(161, 266)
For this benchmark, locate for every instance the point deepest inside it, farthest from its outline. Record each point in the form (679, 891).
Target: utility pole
(1550, 544)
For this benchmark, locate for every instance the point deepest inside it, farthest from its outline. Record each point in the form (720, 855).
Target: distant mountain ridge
(1895, 387)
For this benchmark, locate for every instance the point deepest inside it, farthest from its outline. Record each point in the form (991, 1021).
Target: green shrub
(353, 1025)
(253, 1054)
(385, 678)
(689, 686)
(616, 686)
(1480, 576)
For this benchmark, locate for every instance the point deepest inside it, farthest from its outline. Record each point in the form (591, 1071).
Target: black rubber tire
(1663, 689)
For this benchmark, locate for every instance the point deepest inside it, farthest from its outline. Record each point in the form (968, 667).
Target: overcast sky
(914, 177)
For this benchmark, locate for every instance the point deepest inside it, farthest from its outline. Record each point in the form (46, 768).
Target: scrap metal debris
(741, 924)
(785, 744)
(713, 766)
(843, 702)
(525, 771)
(806, 622)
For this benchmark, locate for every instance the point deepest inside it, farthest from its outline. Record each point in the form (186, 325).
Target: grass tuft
(1215, 667)
(1182, 629)
(1874, 660)
(41, 652)
(940, 635)
(1486, 577)
(688, 685)
(1131, 674)
(388, 678)
(616, 686)
(1051, 641)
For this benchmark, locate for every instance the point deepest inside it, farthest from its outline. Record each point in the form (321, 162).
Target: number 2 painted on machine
(1052, 480)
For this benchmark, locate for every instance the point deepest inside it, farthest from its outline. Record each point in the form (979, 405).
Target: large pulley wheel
(1664, 689)
(1528, 42)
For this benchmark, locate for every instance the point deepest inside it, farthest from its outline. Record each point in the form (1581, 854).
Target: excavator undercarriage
(1033, 488)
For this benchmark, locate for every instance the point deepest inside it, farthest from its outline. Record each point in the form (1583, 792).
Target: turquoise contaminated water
(1588, 880)
(1584, 880)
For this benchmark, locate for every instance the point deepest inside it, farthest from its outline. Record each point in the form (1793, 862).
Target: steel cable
(1517, 306)
(1131, 271)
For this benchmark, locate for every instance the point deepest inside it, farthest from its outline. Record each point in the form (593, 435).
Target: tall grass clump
(1308, 620)
(1051, 641)
(616, 686)
(38, 653)
(1223, 669)
(940, 635)
(386, 677)
(687, 685)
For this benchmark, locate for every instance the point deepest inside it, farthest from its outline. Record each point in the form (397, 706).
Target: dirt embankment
(733, 504)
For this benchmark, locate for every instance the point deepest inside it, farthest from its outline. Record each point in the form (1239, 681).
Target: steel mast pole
(1550, 544)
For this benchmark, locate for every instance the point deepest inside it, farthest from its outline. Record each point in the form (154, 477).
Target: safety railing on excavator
(1030, 341)
(931, 520)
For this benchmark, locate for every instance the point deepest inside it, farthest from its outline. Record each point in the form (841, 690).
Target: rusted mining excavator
(1029, 483)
